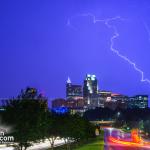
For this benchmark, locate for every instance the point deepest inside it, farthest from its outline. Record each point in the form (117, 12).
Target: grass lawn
(98, 144)
(95, 144)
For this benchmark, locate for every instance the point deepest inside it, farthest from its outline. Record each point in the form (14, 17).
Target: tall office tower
(90, 86)
(73, 91)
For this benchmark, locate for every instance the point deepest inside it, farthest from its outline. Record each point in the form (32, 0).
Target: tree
(28, 117)
(147, 127)
(75, 128)
(89, 130)
(53, 128)
(28, 93)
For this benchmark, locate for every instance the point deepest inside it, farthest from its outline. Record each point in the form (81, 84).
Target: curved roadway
(120, 135)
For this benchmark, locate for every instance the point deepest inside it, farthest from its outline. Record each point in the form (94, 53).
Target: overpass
(102, 122)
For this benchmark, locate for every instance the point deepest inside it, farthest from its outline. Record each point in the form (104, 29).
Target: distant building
(105, 96)
(69, 103)
(138, 101)
(60, 110)
(105, 93)
(73, 91)
(117, 101)
(122, 99)
(90, 86)
(77, 110)
(59, 102)
(75, 103)
(95, 100)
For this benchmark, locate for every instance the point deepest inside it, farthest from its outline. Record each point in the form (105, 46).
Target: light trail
(136, 140)
(37, 146)
(128, 143)
(112, 39)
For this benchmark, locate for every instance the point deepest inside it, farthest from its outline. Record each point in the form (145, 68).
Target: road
(120, 136)
(37, 146)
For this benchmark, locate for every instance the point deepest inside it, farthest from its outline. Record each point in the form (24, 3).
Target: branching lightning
(113, 38)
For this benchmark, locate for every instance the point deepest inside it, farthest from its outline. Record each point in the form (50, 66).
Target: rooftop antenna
(68, 81)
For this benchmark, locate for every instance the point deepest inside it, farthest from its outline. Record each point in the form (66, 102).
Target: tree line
(31, 122)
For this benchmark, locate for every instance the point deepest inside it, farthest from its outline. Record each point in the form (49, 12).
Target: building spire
(68, 80)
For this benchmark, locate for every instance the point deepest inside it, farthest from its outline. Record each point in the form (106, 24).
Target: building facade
(138, 101)
(73, 91)
(59, 102)
(90, 86)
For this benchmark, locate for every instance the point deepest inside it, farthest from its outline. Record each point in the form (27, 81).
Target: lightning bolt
(70, 25)
(113, 38)
(147, 29)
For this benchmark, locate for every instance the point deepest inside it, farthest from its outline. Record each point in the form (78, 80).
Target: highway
(116, 139)
(37, 146)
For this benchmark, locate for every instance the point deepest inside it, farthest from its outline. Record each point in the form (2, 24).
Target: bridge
(102, 122)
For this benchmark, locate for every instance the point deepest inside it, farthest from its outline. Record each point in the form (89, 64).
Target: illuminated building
(95, 100)
(99, 99)
(105, 93)
(73, 91)
(105, 96)
(60, 110)
(69, 103)
(138, 101)
(120, 99)
(90, 86)
(78, 110)
(117, 101)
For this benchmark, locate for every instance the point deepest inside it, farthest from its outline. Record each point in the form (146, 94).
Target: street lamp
(118, 114)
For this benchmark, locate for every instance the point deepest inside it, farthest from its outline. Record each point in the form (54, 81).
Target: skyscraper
(90, 86)
(73, 91)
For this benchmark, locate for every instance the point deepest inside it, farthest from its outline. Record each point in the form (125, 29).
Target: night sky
(43, 42)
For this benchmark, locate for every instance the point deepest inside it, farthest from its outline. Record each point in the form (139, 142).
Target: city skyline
(42, 43)
(68, 80)
(89, 96)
